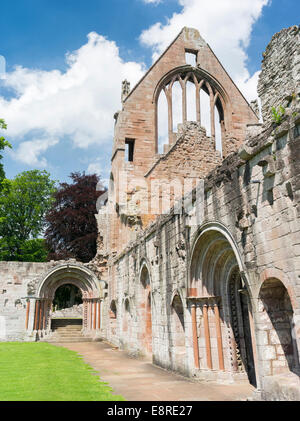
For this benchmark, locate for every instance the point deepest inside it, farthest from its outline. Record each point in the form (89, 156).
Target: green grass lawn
(44, 372)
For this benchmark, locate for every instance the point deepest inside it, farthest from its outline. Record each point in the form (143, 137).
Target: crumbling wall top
(279, 81)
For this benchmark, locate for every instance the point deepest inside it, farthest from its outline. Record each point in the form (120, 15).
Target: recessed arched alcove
(145, 308)
(177, 335)
(221, 305)
(277, 329)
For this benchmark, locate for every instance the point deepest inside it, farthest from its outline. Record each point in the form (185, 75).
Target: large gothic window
(188, 97)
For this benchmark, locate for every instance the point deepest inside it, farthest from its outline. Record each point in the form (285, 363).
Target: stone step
(66, 340)
(65, 322)
(71, 329)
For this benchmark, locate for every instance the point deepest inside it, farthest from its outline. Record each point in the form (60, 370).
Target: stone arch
(220, 295)
(177, 333)
(79, 275)
(127, 319)
(74, 274)
(277, 328)
(270, 273)
(113, 315)
(213, 240)
(203, 82)
(145, 306)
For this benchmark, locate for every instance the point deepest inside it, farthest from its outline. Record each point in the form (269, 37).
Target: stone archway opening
(276, 315)
(68, 292)
(67, 301)
(220, 307)
(67, 310)
(146, 310)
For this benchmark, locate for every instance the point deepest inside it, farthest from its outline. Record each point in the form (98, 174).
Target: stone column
(27, 314)
(91, 314)
(37, 305)
(207, 336)
(85, 314)
(95, 314)
(168, 93)
(44, 314)
(31, 314)
(99, 314)
(219, 337)
(212, 117)
(40, 324)
(195, 336)
(184, 106)
(47, 325)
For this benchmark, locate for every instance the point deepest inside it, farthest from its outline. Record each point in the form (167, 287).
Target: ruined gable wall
(280, 76)
(137, 119)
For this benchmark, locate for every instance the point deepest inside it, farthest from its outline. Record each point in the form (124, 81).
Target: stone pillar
(31, 314)
(207, 336)
(219, 337)
(27, 314)
(91, 315)
(168, 93)
(36, 316)
(95, 314)
(40, 324)
(99, 314)
(212, 118)
(195, 336)
(85, 314)
(184, 105)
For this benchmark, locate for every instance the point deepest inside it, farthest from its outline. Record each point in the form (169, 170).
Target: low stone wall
(16, 279)
(71, 312)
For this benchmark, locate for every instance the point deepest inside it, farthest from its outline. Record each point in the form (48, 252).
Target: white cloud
(225, 24)
(152, 1)
(95, 168)
(78, 103)
(29, 151)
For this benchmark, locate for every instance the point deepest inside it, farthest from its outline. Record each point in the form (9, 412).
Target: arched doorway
(277, 329)
(146, 309)
(67, 310)
(220, 306)
(63, 290)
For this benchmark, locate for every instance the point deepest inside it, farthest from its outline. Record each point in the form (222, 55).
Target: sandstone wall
(279, 81)
(17, 279)
(254, 196)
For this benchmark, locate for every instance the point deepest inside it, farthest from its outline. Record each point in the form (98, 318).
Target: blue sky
(59, 108)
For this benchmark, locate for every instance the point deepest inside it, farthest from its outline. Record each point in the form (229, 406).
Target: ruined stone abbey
(198, 262)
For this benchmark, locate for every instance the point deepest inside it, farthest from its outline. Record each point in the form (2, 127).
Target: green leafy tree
(3, 144)
(34, 250)
(24, 201)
